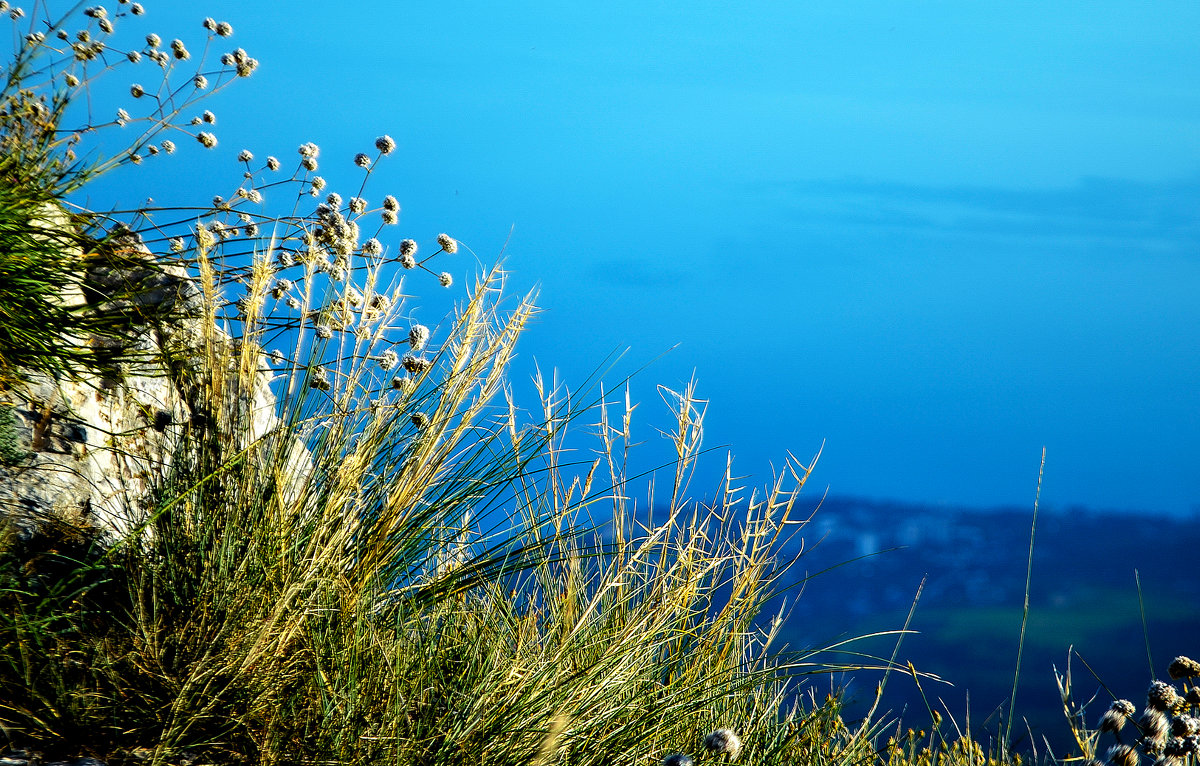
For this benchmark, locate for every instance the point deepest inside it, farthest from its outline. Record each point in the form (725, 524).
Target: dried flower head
(389, 359)
(415, 364)
(362, 160)
(324, 331)
(389, 218)
(168, 146)
(245, 156)
(136, 90)
(444, 279)
(1184, 667)
(210, 24)
(1162, 696)
(404, 384)
(385, 144)
(418, 336)
(153, 40)
(134, 57)
(408, 247)
(357, 205)
(176, 244)
(1154, 725)
(723, 741)
(1185, 726)
(1123, 755)
(407, 261)
(318, 184)
(309, 150)
(419, 419)
(448, 243)
(208, 117)
(1117, 715)
(372, 247)
(179, 50)
(320, 379)
(136, 9)
(206, 139)
(200, 81)
(678, 759)
(272, 163)
(390, 203)
(224, 29)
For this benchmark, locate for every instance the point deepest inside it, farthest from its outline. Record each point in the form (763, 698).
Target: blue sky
(934, 236)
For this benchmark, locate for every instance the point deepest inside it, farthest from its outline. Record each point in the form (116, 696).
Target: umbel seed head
(1117, 715)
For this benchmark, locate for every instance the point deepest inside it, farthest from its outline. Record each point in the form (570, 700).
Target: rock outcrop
(87, 450)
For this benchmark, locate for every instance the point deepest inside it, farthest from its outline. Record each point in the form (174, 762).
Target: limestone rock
(87, 450)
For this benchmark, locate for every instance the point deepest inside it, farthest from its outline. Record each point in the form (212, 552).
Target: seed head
(136, 90)
(334, 201)
(134, 57)
(418, 336)
(362, 160)
(105, 25)
(318, 184)
(224, 29)
(201, 82)
(419, 419)
(389, 218)
(319, 379)
(210, 24)
(407, 261)
(122, 117)
(372, 247)
(1185, 726)
(153, 40)
(1117, 715)
(1154, 725)
(357, 205)
(272, 163)
(71, 80)
(309, 150)
(408, 247)
(1123, 755)
(179, 50)
(391, 204)
(1162, 697)
(176, 244)
(168, 146)
(723, 741)
(404, 384)
(136, 9)
(444, 279)
(309, 164)
(206, 139)
(415, 364)
(385, 144)
(448, 243)
(245, 156)
(389, 359)
(209, 117)
(324, 331)
(1184, 667)
(678, 759)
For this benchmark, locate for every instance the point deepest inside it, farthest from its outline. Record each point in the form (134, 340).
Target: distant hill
(973, 562)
